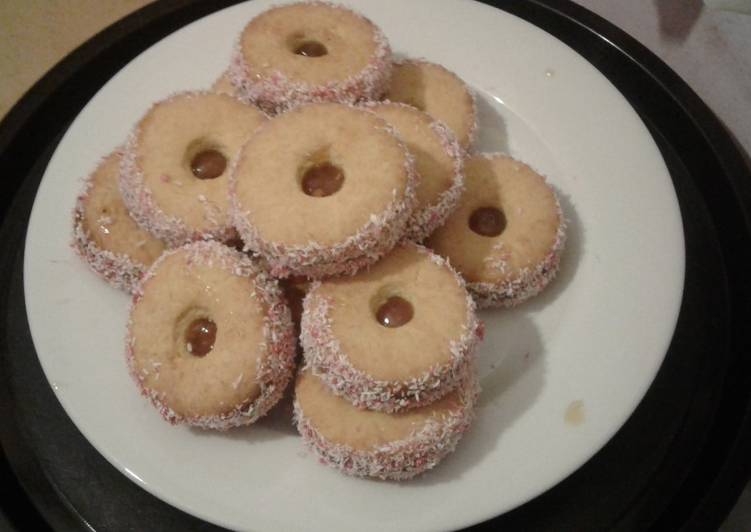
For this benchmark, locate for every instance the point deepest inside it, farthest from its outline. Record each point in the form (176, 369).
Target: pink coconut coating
(278, 93)
(118, 269)
(140, 202)
(275, 366)
(532, 280)
(328, 361)
(367, 245)
(431, 217)
(397, 460)
(530, 283)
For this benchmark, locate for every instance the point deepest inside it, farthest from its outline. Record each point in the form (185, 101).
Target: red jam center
(395, 312)
(322, 180)
(311, 49)
(208, 164)
(200, 337)
(487, 221)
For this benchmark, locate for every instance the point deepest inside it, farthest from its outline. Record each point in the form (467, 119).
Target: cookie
(310, 52)
(343, 189)
(366, 443)
(105, 236)
(439, 162)
(437, 91)
(210, 338)
(507, 236)
(174, 172)
(399, 335)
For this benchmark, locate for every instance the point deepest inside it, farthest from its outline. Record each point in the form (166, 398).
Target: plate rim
(649, 349)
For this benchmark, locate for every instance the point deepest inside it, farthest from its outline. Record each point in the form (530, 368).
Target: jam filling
(322, 180)
(311, 49)
(487, 221)
(395, 312)
(208, 164)
(200, 337)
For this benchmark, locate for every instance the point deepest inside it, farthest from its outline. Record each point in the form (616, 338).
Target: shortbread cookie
(335, 196)
(210, 338)
(439, 161)
(105, 236)
(174, 173)
(507, 235)
(366, 443)
(310, 52)
(437, 91)
(399, 335)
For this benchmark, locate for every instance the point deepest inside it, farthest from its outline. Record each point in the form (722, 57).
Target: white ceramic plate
(560, 374)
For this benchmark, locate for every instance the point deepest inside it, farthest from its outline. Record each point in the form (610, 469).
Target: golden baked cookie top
(320, 186)
(394, 337)
(313, 43)
(508, 225)
(437, 91)
(174, 174)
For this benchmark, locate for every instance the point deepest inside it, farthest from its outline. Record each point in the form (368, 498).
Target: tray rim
(728, 154)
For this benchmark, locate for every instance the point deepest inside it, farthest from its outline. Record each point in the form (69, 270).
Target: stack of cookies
(389, 385)
(294, 201)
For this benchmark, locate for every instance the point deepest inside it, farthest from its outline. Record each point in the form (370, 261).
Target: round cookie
(399, 335)
(174, 173)
(310, 52)
(342, 193)
(105, 236)
(508, 233)
(439, 162)
(210, 337)
(437, 91)
(366, 443)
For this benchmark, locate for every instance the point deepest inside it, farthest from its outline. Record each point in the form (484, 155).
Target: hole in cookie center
(487, 221)
(395, 312)
(311, 49)
(321, 180)
(208, 164)
(200, 337)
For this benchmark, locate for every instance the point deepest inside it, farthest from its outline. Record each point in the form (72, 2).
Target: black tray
(678, 463)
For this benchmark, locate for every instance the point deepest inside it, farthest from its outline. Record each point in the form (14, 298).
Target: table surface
(708, 43)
